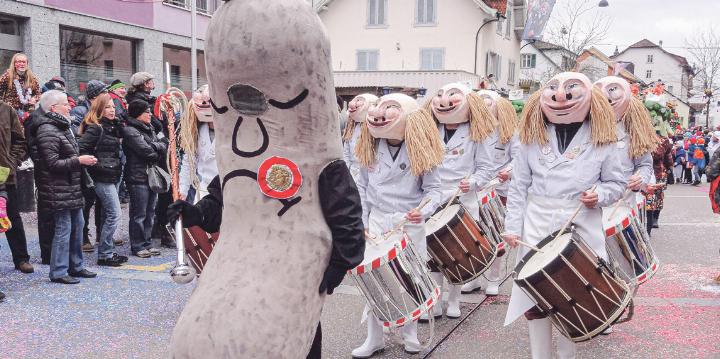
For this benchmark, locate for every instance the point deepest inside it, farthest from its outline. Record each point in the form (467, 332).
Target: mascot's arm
(341, 207)
(207, 213)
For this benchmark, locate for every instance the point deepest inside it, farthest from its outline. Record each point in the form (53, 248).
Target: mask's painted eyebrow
(290, 104)
(220, 110)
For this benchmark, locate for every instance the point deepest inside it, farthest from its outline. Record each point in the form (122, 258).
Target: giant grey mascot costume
(291, 212)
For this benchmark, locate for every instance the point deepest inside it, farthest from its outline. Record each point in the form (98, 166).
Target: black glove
(191, 215)
(332, 278)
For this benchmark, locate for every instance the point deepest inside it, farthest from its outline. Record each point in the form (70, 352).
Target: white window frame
(499, 28)
(384, 23)
(650, 59)
(497, 70)
(670, 89)
(508, 21)
(648, 74)
(426, 21)
(435, 50)
(528, 61)
(366, 66)
(511, 72)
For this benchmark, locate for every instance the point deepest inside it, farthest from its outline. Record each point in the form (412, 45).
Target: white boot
(472, 286)
(438, 306)
(375, 342)
(410, 339)
(566, 348)
(453, 308)
(540, 338)
(493, 279)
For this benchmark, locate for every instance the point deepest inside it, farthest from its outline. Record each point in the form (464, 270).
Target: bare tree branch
(577, 25)
(704, 51)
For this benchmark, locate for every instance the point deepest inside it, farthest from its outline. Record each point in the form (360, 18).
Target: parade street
(129, 312)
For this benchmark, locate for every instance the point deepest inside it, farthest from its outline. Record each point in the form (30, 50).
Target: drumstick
(492, 183)
(457, 193)
(422, 204)
(621, 200)
(591, 190)
(536, 249)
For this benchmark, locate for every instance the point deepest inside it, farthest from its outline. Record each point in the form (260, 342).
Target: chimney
(660, 43)
(616, 51)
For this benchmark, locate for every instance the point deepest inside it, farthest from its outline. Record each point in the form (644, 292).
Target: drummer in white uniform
(357, 112)
(464, 124)
(636, 135)
(399, 150)
(567, 147)
(501, 145)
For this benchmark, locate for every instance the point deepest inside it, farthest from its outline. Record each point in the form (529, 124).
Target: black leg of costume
(316, 348)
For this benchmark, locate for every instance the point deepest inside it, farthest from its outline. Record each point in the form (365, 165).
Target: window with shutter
(425, 12)
(367, 60)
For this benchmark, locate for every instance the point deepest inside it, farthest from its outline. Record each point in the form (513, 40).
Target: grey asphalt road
(129, 312)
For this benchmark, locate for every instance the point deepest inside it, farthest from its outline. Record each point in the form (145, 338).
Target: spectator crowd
(89, 153)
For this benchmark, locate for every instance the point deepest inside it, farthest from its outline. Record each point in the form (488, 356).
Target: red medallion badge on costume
(279, 178)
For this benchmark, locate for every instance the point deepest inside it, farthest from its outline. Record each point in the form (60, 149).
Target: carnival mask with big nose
(201, 102)
(618, 92)
(358, 107)
(566, 98)
(388, 119)
(450, 105)
(490, 98)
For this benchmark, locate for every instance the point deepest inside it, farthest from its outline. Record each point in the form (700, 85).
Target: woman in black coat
(100, 136)
(143, 148)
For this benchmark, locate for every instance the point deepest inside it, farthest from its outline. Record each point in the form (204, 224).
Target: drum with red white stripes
(628, 245)
(492, 218)
(394, 280)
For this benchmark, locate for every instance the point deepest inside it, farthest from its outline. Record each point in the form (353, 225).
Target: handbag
(158, 179)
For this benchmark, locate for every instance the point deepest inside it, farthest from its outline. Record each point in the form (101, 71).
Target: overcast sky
(672, 21)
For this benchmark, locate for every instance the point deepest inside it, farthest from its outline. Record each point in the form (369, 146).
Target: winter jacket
(8, 94)
(680, 156)
(142, 148)
(713, 169)
(13, 148)
(697, 157)
(103, 142)
(141, 95)
(58, 166)
(77, 114)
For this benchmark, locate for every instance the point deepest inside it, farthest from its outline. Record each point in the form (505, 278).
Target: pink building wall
(152, 14)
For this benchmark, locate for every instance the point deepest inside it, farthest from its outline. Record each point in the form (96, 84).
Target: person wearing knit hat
(137, 108)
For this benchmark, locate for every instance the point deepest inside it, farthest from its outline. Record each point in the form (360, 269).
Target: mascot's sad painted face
(617, 91)
(279, 177)
(566, 98)
(450, 105)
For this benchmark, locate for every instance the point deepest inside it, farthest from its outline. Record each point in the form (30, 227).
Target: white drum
(628, 245)
(394, 280)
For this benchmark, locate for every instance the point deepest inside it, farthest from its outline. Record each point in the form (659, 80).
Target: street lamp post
(193, 45)
(709, 95)
(498, 16)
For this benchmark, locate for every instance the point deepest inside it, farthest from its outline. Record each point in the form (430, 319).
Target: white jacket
(643, 165)
(542, 171)
(349, 152)
(205, 165)
(464, 157)
(390, 187)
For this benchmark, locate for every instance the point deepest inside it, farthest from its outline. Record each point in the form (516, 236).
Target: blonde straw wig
(507, 119)
(639, 127)
(422, 139)
(602, 120)
(422, 142)
(482, 122)
(349, 128)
